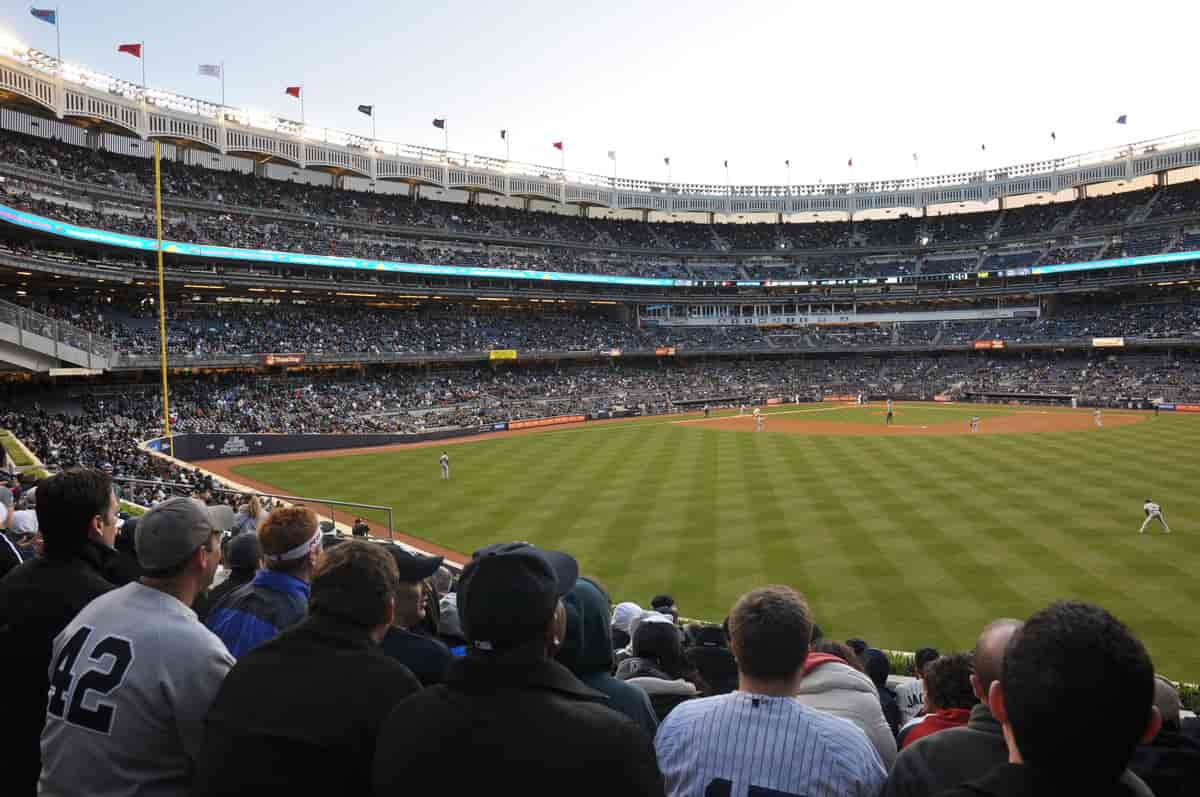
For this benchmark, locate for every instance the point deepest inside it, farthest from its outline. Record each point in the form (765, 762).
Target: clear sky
(756, 83)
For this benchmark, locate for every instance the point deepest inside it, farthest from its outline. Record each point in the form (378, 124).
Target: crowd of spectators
(298, 216)
(519, 664)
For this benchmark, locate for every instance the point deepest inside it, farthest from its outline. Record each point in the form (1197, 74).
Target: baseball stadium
(923, 402)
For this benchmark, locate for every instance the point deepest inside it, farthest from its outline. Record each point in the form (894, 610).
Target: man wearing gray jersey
(134, 674)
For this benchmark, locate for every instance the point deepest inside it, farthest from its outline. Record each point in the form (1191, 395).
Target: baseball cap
(170, 532)
(244, 552)
(1166, 699)
(509, 592)
(924, 656)
(24, 521)
(414, 567)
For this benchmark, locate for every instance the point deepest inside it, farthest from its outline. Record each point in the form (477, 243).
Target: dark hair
(948, 681)
(841, 650)
(66, 504)
(922, 658)
(353, 583)
(661, 643)
(770, 629)
(1078, 687)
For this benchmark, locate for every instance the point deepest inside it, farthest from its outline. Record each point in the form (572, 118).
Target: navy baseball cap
(509, 592)
(414, 567)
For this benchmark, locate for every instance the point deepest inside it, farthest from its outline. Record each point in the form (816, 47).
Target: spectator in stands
(587, 652)
(912, 693)
(664, 604)
(250, 515)
(300, 713)
(425, 657)
(707, 649)
(840, 649)
(510, 719)
(831, 684)
(277, 598)
(943, 760)
(77, 515)
(658, 665)
(1075, 696)
(623, 614)
(10, 555)
(875, 665)
(158, 668)
(760, 737)
(949, 698)
(1170, 763)
(244, 559)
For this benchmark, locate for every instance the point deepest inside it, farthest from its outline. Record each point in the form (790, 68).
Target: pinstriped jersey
(745, 745)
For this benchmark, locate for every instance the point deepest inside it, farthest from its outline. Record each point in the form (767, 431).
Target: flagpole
(162, 307)
(507, 146)
(143, 60)
(222, 85)
(302, 109)
(58, 36)
(446, 139)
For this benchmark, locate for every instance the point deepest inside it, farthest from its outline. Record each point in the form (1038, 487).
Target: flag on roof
(133, 49)
(369, 110)
(1122, 119)
(210, 70)
(612, 154)
(558, 145)
(503, 135)
(45, 15)
(850, 162)
(440, 124)
(1053, 136)
(292, 91)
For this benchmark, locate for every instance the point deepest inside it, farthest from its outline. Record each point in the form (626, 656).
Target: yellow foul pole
(162, 300)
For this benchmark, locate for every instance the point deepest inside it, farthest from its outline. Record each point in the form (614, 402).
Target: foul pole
(162, 299)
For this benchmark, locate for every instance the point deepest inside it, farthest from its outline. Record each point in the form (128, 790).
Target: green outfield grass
(905, 541)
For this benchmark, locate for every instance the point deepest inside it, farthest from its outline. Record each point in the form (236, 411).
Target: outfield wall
(193, 446)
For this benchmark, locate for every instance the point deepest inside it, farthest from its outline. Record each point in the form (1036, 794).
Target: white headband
(298, 552)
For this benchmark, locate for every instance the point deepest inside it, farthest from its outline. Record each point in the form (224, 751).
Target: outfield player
(132, 677)
(889, 405)
(888, 419)
(760, 739)
(1153, 512)
(1096, 418)
(444, 461)
(760, 420)
(974, 423)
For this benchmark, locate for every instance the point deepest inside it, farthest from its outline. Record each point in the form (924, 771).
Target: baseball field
(912, 535)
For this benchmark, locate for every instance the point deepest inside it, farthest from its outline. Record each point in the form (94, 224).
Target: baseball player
(760, 420)
(888, 419)
(444, 461)
(706, 410)
(741, 409)
(1153, 511)
(974, 423)
(889, 405)
(1096, 418)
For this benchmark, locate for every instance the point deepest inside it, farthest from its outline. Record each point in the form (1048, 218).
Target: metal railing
(187, 489)
(60, 332)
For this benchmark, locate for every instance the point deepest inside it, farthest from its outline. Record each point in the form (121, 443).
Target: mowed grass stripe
(905, 541)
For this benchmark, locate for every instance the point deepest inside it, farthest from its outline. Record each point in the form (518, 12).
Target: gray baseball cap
(170, 532)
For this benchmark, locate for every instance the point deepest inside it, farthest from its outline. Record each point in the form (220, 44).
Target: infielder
(741, 409)
(889, 405)
(760, 420)
(444, 461)
(1153, 511)
(1096, 418)
(974, 423)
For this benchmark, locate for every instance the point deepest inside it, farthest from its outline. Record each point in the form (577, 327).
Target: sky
(757, 83)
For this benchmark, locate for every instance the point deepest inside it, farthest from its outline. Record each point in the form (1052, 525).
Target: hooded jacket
(832, 685)
(587, 652)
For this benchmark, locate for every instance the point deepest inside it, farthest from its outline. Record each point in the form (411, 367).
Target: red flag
(558, 145)
(133, 49)
(293, 91)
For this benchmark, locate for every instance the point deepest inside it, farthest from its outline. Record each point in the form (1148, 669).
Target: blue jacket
(252, 614)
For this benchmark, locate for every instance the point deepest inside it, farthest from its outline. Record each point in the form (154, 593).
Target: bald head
(989, 653)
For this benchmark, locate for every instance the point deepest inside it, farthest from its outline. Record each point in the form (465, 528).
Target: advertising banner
(664, 351)
(989, 344)
(282, 359)
(502, 354)
(1186, 407)
(1108, 343)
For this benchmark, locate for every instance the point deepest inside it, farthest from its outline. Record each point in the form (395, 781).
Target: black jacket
(37, 600)
(957, 755)
(1170, 764)
(1018, 780)
(300, 713)
(514, 723)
